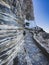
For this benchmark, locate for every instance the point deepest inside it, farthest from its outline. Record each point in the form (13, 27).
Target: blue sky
(41, 13)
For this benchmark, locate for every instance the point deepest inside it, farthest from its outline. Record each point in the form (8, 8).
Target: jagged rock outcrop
(28, 9)
(12, 13)
(22, 8)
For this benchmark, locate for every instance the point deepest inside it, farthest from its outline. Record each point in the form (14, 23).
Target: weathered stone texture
(22, 8)
(28, 9)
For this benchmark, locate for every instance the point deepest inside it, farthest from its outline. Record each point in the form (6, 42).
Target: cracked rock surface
(30, 54)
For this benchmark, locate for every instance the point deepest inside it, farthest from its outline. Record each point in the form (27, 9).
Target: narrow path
(30, 54)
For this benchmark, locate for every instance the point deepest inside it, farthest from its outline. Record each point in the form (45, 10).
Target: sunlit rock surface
(10, 34)
(16, 48)
(22, 8)
(42, 38)
(30, 54)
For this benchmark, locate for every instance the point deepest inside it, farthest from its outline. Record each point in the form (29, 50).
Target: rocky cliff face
(22, 8)
(28, 9)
